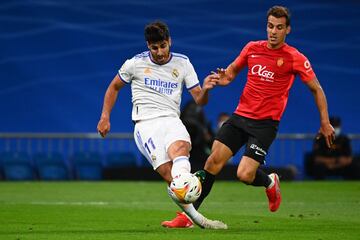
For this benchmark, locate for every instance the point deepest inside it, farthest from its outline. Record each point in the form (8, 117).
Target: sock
(191, 212)
(272, 182)
(261, 179)
(180, 164)
(206, 188)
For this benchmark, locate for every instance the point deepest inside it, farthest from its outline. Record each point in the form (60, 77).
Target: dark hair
(156, 32)
(278, 12)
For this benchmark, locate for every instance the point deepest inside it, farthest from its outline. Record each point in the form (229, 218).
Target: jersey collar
(158, 63)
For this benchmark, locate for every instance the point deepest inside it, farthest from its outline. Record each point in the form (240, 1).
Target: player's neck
(274, 47)
(165, 61)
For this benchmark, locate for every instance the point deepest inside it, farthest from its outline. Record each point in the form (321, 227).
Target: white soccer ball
(185, 188)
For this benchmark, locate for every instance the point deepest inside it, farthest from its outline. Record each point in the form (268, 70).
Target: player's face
(276, 31)
(160, 51)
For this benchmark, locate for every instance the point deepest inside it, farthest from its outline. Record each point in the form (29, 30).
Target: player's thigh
(178, 148)
(176, 138)
(262, 136)
(220, 154)
(232, 134)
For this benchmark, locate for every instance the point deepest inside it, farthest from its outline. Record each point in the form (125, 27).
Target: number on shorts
(151, 143)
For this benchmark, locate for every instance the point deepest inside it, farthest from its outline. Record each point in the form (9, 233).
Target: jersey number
(152, 145)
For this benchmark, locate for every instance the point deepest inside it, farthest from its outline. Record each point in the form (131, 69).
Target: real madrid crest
(175, 73)
(280, 62)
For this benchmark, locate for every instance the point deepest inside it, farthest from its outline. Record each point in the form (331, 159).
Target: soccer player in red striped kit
(272, 67)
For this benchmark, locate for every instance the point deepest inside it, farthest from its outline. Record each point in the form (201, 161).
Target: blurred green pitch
(134, 210)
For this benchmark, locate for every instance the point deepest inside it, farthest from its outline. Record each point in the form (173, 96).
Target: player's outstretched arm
(111, 94)
(226, 76)
(326, 129)
(201, 95)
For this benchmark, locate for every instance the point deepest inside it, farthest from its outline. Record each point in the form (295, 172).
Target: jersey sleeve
(303, 67)
(126, 72)
(241, 60)
(191, 78)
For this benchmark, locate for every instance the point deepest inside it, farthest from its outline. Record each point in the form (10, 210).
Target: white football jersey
(157, 89)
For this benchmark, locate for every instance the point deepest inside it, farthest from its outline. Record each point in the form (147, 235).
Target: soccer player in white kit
(157, 78)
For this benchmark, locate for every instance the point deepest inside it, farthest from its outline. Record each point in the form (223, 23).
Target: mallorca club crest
(280, 62)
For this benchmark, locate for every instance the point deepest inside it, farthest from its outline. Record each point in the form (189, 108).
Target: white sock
(180, 164)
(193, 214)
(198, 218)
(272, 181)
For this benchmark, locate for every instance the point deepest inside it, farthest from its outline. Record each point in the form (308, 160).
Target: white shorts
(154, 136)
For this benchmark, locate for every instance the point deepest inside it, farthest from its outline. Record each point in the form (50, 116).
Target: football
(185, 188)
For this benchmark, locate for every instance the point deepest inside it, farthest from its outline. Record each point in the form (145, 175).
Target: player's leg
(220, 154)
(178, 152)
(250, 173)
(178, 145)
(164, 171)
(229, 140)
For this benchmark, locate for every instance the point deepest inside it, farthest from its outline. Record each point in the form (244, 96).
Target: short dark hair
(156, 32)
(278, 12)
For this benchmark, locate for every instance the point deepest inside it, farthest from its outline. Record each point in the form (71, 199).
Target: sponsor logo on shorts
(258, 150)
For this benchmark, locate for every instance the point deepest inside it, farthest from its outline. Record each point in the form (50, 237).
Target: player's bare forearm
(326, 129)
(109, 99)
(201, 95)
(111, 94)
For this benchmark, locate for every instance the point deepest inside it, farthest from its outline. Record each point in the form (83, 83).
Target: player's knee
(245, 176)
(213, 165)
(180, 148)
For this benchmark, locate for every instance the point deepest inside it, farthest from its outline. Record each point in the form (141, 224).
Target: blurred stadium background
(57, 58)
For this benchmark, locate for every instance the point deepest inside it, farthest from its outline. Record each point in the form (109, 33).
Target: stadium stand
(51, 166)
(17, 166)
(87, 165)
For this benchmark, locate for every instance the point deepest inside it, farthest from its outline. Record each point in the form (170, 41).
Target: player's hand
(103, 126)
(210, 81)
(328, 132)
(223, 77)
(221, 72)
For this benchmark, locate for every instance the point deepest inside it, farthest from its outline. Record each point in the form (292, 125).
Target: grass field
(134, 210)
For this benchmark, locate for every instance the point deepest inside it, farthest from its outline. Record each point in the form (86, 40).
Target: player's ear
(169, 41)
(288, 29)
(148, 45)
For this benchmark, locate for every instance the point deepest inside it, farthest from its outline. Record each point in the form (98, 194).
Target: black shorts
(256, 134)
